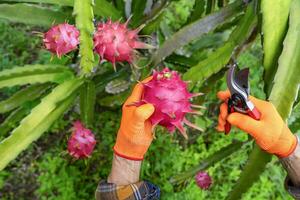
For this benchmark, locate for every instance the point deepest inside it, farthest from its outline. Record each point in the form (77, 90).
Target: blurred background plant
(196, 38)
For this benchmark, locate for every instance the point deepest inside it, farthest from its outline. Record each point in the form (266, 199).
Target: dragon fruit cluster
(170, 96)
(61, 39)
(113, 41)
(82, 141)
(203, 180)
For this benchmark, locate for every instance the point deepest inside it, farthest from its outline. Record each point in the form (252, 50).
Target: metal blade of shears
(242, 79)
(237, 82)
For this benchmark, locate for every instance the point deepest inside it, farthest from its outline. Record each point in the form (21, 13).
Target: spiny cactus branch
(83, 11)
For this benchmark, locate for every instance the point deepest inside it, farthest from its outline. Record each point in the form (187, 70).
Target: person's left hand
(270, 132)
(135, 133)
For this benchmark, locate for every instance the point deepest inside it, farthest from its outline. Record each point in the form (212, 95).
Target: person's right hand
(135, 133)
(270, 132)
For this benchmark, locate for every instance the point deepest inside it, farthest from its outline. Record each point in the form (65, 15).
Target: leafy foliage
(19, 98)
(194, 30)
(217, 60)
(31, 74)
(24, 13)
(38, 121)
(274, 29)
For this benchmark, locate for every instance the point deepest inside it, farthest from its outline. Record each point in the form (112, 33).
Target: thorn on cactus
(82, 141)
(203, 180)
(170, 96)
(114, 42)
(61, 39)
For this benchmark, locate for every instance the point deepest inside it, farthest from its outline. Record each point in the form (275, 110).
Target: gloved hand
(270, 132)
(135, 133)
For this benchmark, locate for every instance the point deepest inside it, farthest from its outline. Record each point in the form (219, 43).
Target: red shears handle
(254, 113)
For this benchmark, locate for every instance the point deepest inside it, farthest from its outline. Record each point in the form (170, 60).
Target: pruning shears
(238, 85)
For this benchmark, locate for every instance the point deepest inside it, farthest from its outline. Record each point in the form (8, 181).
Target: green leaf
(195, 30)
(11, 121)
(153, 25)
(199, 50)
(120, 6)
(282, 96)
(83, 10)
(30, 74)
(222, 3)
(87, 102)
(210, 6)
(19, 98)
(38, 121)
(209, 41)
(253, 170)
(137, 11)
(104, 8)
(294, 121)
(218, 59)
(208, 162)
(117, 86)
(197, 11)
(33, 15)
(102, 79)
(115, 100)
(297, 102)
(181, 60)
(154, 18)
(274, 28)
(284, 93)
(58, 2)
(229, 24)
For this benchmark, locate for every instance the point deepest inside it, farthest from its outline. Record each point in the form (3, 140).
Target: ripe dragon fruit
(203, 180)
(61, 39)
(82, 141)
(171, 99)
(114, 42)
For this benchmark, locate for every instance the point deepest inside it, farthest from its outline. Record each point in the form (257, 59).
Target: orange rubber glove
(135, 133)
(270, 132)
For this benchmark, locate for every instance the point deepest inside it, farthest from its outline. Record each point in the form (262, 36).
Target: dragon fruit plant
(49, 90)
(203, 180)
(170, 96)
(61, 39)
(82, 141)
(115, 42)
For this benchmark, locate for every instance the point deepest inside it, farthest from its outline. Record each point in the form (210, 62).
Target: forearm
(292, 165)
(124, 171)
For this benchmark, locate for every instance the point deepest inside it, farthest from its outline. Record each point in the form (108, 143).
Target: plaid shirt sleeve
(143, 190)
(294, 191)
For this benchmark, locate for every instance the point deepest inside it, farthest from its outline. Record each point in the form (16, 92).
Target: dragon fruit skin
(114, 42)
(203, 180)
(82, 141)
(170, 96)
(61, 39)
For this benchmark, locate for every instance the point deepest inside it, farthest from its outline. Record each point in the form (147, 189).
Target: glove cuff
(127, 157)
(291, 140)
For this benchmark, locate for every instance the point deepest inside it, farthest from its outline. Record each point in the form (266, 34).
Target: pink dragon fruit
(61, 39)
(82, 141)
(203, 180)
(114, 42)
(171, 99)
